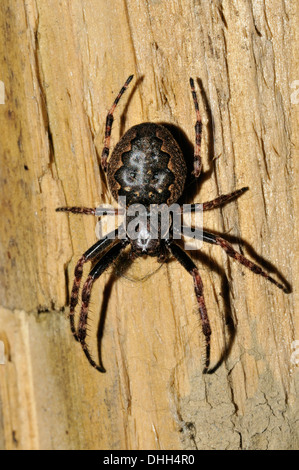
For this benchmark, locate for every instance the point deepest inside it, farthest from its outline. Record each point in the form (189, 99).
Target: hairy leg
(230, 251)
(89, 255)
(77, 210)
(219, 201)
(94, 274)
(109, 122)
(188, 264)
(198, 130)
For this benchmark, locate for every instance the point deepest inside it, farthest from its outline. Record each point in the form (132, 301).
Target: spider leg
(198, 129)
(188, 264)
(89, 255)
(77, 210)
(97, 211)
(219, 201)
(230, 251)
(109, 121)
(108, 211)
(94, 274)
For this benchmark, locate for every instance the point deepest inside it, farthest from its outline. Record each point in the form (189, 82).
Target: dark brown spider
(147, 167)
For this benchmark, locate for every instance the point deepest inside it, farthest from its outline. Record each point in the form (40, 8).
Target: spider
(147, 167)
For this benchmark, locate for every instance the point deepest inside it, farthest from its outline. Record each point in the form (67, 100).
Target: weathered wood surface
(62, 64)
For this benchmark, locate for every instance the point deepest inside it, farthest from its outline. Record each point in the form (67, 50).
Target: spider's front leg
(198, 130)
(89, 255)
(188, 264)
(94, 274)
(109, 122)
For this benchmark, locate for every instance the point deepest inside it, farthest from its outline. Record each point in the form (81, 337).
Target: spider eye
(133, 174)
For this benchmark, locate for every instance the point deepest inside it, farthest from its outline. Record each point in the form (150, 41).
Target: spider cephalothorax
(148, 169)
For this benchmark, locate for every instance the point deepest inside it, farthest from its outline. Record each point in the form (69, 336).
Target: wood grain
(62, 64)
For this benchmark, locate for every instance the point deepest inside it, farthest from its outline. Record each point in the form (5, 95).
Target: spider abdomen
(147, 166)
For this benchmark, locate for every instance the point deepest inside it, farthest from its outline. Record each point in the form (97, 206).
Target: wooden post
(62, 64)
